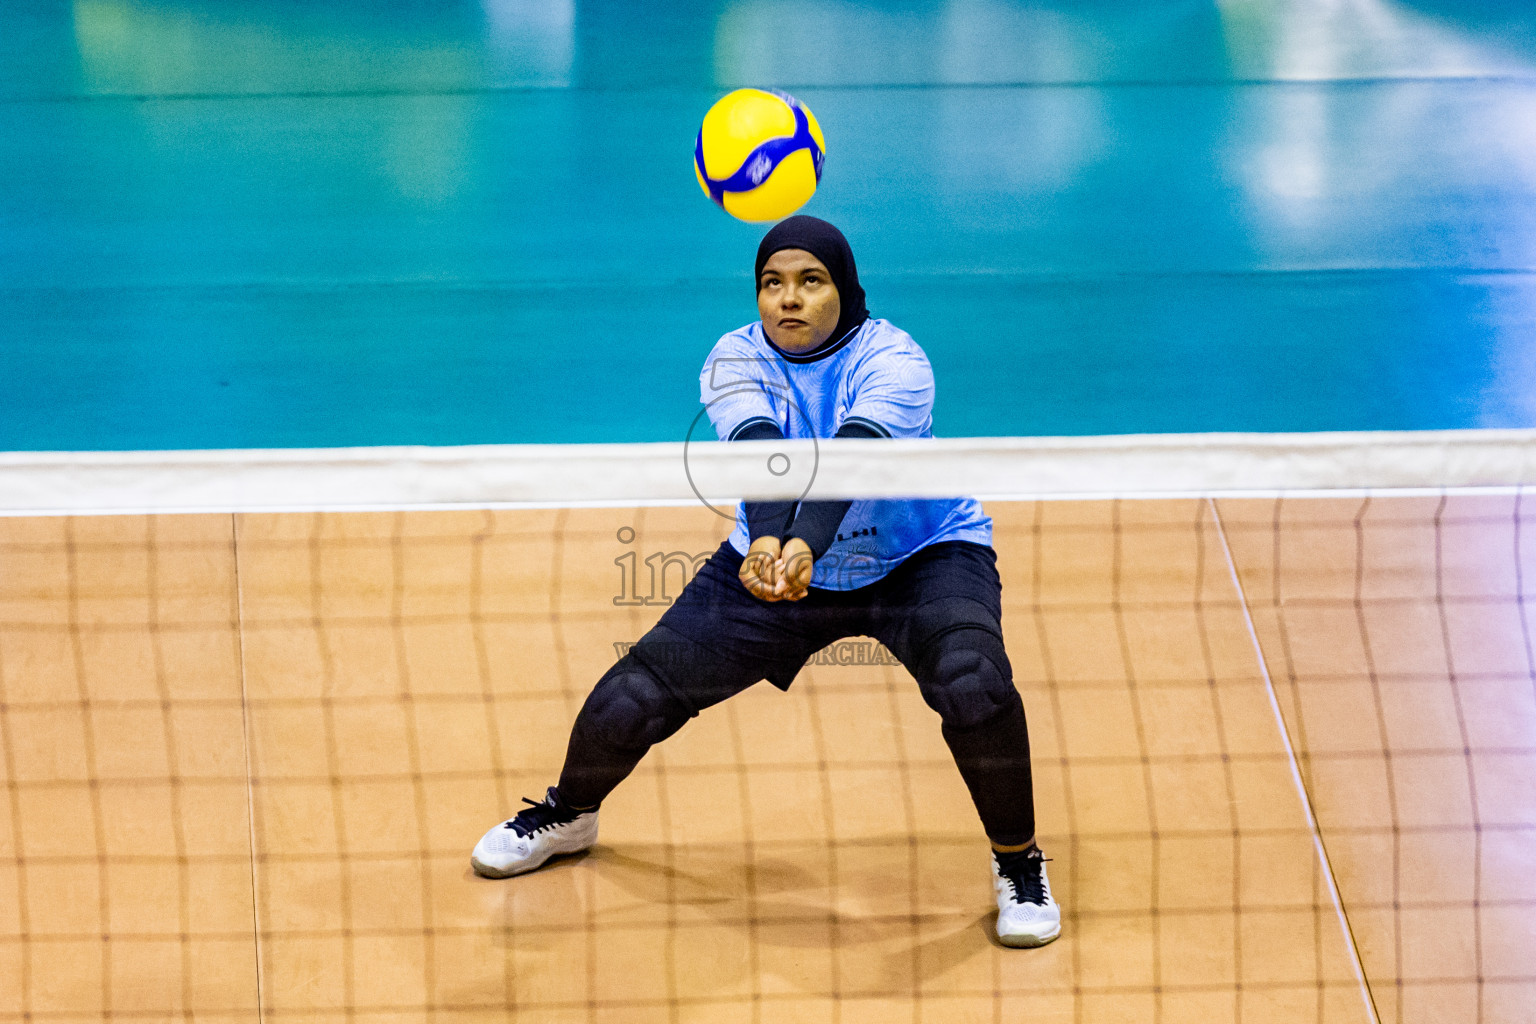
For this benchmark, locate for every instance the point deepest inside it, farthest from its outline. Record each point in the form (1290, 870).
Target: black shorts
(717, 639)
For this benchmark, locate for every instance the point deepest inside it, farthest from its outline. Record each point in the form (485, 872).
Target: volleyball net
(1281, 693)
(716, 474)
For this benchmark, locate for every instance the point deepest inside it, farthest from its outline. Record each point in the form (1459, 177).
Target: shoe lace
(1025, 872)
(539, 815)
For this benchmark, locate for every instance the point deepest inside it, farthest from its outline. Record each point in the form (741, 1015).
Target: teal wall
(303, 224)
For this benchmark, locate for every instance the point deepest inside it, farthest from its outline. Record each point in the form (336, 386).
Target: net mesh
(245, 758)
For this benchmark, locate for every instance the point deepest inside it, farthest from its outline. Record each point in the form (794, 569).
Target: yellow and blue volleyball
(759, 154)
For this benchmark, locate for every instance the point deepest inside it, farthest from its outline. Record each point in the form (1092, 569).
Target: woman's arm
(765, 518)
(817, 522)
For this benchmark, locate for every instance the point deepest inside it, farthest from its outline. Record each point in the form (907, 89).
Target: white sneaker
(540, 831)
(1026, 913)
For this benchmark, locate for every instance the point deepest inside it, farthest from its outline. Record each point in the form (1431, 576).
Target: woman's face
(797, 301)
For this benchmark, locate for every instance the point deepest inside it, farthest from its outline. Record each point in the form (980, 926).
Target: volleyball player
(918, 575)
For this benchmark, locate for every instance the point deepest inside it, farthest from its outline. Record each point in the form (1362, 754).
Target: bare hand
(760, 569)
(794, 569)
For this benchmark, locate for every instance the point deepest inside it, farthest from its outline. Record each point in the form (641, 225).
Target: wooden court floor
(1285, 754)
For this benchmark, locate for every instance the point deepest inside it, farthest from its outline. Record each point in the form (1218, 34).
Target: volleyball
(759, 154)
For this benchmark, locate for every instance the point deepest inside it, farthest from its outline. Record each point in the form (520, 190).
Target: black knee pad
(631, 709)
(966, 677)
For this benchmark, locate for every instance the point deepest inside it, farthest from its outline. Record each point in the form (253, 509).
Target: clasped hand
(778, 573)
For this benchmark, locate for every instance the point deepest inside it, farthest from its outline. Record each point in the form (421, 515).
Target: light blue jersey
(877, 376)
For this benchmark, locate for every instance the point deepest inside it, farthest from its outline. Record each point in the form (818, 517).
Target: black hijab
(827, 244)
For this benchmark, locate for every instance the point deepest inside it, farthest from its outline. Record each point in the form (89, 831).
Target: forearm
(766, 518)
(817, 522)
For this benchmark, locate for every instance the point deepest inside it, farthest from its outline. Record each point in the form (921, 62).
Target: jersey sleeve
(740, 388)
(893, 393)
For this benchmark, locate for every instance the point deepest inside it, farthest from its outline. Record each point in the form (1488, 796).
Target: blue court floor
(286, 224)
